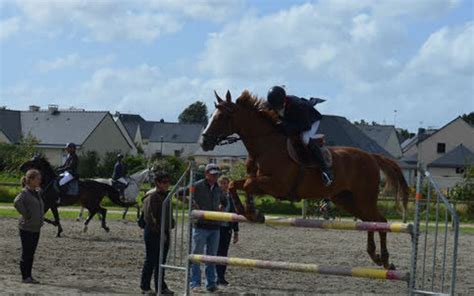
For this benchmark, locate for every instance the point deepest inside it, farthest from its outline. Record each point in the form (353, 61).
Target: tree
(194, 113)
(469, 118)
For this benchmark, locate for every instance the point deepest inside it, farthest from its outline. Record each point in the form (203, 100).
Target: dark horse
(90, 195)
(271, 170)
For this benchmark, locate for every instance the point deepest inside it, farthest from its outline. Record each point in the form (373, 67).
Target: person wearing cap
(299, 118)
(118, 176)
(68, 171)
(153, 202)
(208, 196)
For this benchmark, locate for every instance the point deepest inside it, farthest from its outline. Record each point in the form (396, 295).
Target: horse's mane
(252, 102)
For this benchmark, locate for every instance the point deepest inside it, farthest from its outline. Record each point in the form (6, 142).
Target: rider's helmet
(120, 156)
(71, 145)
(276, 97)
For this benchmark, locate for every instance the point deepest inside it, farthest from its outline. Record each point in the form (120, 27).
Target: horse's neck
(139, 177)
(259, 143)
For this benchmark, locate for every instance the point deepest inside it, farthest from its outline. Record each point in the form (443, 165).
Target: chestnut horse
(271, 170)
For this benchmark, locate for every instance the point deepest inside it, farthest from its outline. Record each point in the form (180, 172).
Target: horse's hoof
(106, 229)
(391, 266)
(260, 218)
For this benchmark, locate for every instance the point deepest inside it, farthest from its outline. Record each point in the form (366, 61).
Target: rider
(68, 171)
(299, 117)
(118, 176)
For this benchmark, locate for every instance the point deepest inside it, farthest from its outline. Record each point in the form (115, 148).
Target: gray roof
(236, 149)
(131, 123)
(339, 131)
(379, 133)
(173, 132)
(60, 128)
(10, 125)
(456, 158)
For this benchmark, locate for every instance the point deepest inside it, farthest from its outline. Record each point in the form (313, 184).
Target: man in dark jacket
(299, 118)
(118, 176)
(207, 197)
(153, 203)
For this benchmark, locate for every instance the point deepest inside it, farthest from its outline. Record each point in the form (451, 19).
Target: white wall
(107, 137)
(187, 149)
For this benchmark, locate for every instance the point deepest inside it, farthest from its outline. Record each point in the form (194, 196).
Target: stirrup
(327, 181)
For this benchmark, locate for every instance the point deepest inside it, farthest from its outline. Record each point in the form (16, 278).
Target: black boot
(326, 172)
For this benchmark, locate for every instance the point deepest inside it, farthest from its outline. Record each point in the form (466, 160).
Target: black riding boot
(326, 172)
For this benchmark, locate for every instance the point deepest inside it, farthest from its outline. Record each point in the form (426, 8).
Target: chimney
(34, 108)
(421, 135)
(53, 109)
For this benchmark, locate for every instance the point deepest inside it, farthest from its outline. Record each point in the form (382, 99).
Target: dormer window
(441, 148)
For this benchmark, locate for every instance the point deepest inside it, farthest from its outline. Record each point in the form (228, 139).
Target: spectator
(152, 210)
(208, 197)
(31, 207)
(226, 232)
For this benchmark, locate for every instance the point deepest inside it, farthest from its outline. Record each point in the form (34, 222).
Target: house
(446, 145)
(385, 135)
(160, 137)
(225, 155)
(54, 128)
(448, 169)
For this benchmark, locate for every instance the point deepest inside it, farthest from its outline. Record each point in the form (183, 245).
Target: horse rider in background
(68, 171)
(118, 176)
(300, 118)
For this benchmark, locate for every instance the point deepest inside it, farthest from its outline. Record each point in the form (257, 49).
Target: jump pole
(297, 222)
(300, 267)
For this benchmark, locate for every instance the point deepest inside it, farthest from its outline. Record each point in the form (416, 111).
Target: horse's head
(41, 164)
(248, 117)
(220, 125)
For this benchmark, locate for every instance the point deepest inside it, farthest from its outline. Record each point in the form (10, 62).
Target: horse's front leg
(57, 222)
(138, 210)
(233, 187)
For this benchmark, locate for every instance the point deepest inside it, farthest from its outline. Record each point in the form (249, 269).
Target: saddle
(300, 154)
(71, 188)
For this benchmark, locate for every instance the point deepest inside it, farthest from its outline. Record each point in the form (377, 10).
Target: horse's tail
(111, 193)
(394, 180)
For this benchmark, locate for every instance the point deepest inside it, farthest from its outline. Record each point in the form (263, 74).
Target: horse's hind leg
(345, 200)
(103, 213)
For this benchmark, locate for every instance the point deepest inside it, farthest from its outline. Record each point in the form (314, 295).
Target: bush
(13, 155)
(172, 165)
(88, 164)
(238, 171)
(464, 191)
(134, 163)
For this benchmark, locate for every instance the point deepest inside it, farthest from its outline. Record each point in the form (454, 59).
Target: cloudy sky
(155, 57)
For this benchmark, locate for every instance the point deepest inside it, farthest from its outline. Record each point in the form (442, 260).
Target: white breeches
(65, 178)
(307, 135)
(122, 180)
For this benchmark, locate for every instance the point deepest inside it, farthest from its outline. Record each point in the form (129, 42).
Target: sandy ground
(110, 263)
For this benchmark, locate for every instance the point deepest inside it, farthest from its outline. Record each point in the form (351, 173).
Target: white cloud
(73, 60)
(9, 27)
(362, 49)
(108, 20)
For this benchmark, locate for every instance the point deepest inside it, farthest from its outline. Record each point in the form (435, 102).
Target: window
(441, 148)
(177, 153)
(459, 170)
(212, 160)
